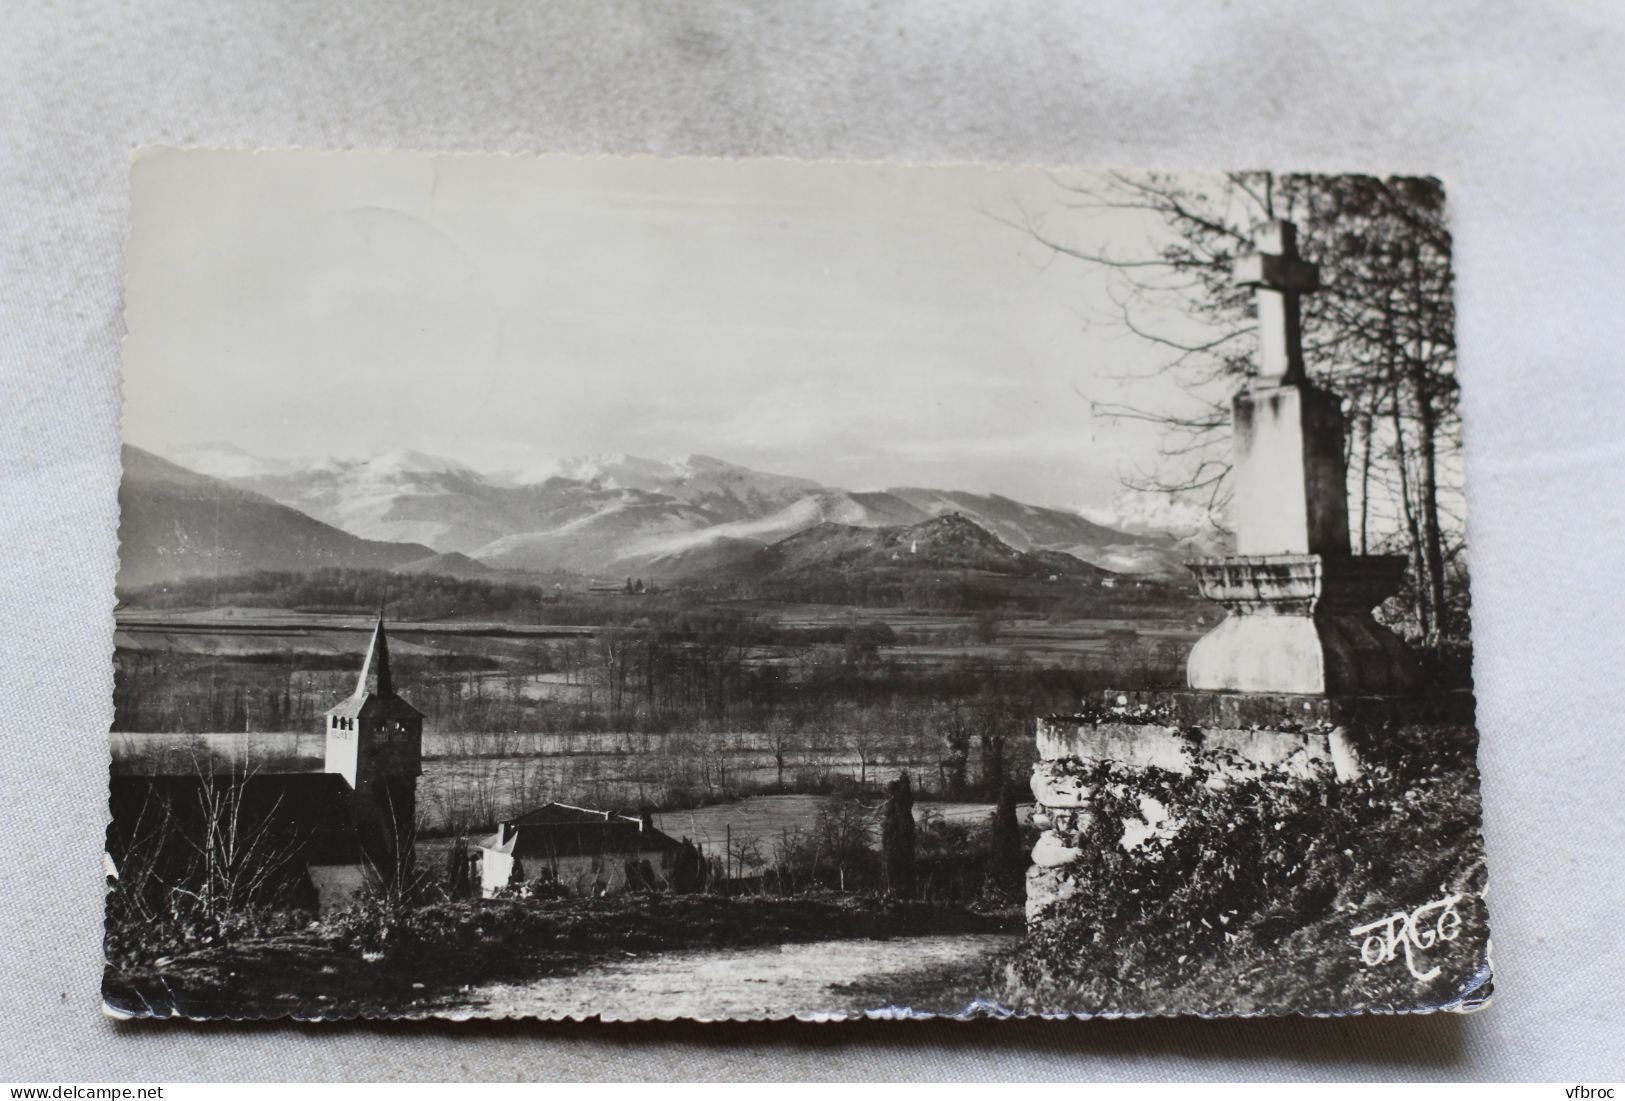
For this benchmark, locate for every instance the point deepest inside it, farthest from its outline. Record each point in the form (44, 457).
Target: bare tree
(243, 853)
(865, 741)
(956, 726)
(140, 887)
(782, 740)
(845, 833)
(1381, 333)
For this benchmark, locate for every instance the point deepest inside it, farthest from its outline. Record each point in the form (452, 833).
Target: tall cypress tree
(897, 838)
(1007, 858)
(457, 881)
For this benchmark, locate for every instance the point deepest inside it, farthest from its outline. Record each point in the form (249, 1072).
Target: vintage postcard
(640, 588)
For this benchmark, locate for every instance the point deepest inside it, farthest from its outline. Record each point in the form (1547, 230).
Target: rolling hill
(951, 542)
(451, 564)
(1024, 527)
(831, 556)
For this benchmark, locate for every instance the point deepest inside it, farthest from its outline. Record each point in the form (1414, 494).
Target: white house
(588, 852)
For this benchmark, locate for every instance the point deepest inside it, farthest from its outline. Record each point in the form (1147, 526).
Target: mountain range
(608, 516)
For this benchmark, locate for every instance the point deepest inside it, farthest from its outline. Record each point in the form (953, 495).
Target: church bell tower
(375, 741)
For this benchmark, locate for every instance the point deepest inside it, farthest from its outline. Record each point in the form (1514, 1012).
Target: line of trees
(539, 600)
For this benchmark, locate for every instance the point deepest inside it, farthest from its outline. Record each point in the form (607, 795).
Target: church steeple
(375, 679)
(373, 734)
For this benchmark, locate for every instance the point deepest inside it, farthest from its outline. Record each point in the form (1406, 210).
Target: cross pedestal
(1300, 623)
(1299, 601)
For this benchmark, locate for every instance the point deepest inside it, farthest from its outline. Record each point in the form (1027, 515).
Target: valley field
(662, 701)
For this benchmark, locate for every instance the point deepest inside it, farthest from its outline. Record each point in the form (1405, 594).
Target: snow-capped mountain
(723, 489)
(596, 541)
(1176, 529)
(400, 496)
(822, 506)
(400, 464)
(1146, 513)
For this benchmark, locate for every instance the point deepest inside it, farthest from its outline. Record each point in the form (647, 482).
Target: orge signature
(1421, 929)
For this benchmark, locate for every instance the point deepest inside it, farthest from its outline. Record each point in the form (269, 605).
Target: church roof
(293, 819)
(374, 696)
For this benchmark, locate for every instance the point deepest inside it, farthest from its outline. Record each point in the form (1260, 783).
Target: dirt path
(774, 981)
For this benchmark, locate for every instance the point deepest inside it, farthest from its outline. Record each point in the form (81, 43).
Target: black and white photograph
(648, 588)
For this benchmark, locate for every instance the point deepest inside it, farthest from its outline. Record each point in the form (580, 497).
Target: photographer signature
(1421, 929)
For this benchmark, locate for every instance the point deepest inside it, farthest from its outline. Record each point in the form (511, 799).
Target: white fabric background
(1518, 107)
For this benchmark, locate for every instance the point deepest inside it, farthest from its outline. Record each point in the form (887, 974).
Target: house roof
(564, 813)
(374, 696)
(558, 829)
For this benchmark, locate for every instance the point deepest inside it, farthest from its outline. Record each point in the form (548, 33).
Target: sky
(863, 325)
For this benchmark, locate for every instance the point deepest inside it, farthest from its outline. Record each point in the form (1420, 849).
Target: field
(924, 638)
(675, 709)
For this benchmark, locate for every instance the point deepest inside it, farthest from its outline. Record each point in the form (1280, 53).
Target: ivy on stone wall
(1245, 900)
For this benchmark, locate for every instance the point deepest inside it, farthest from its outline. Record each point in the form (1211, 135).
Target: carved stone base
(1300, 623)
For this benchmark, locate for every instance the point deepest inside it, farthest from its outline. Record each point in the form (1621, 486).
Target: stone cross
(1290, 496)
(1281, 278)
(1299, 601)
